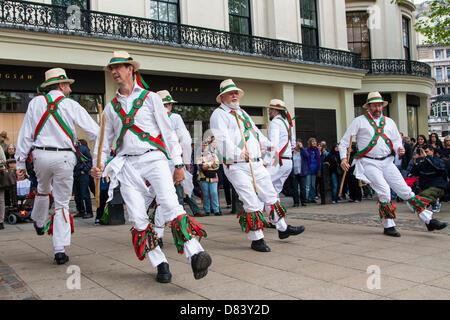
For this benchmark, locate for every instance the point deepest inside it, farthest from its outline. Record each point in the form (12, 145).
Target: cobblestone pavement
(12, 287)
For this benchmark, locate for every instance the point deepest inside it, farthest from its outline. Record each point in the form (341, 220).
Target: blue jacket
(431, 172)
(83, 166)
(304, 169)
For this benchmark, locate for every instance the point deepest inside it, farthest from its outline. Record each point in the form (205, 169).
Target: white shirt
(183, 135)
(278, 135)
(228, 136)
(364, 132)
(51, 134)
(151, 117)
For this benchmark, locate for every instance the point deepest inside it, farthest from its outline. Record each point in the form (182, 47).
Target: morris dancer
(378, 140)
(237, 167)
(48, 130)
(138, 119)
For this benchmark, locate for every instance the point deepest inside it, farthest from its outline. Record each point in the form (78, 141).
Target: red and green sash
(52, 110)
(169, 113)
(379, 132)
(128, 124)
(288, 127)
(248, 128)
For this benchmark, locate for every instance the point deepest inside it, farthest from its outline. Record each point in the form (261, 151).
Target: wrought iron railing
(61, 20)
(56, 19)
(396, 67)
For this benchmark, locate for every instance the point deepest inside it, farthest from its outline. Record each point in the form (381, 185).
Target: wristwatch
(179, 166)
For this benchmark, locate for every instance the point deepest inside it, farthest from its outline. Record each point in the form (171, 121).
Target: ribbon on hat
(287, 112)
(141, 82)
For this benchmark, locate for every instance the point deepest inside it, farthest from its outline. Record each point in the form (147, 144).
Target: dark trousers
(182, 199)
(299, 182)
(101, 208)
(353, 187)
(82, 194)
(226, 185)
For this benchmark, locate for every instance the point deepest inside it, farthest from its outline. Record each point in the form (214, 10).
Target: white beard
(233, 105)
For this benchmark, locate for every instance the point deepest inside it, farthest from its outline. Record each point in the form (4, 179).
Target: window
(448, 53)
(165, 10)
(239, 16)
(358, 35)
(438, 54)
(405, 38)
(438, 73)
(83, 4)
(448, 73)
(308, 16)
(439, 91)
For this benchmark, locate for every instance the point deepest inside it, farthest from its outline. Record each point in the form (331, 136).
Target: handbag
(7, 179)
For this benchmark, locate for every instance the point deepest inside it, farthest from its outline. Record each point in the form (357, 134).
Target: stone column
(399, 112)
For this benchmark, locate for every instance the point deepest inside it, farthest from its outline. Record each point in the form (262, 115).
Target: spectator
(300, 171)
(313, 170)
(421, 142)
(446, 148)
(432, 176)
(435, 142)
(336, 172)
(406, 158)
(208, 164)
(81, 181)
(2, 194)
(10, 151)
(11, 193)
(3, 139)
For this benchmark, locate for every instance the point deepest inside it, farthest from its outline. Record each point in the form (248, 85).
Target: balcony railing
(56, 19)
(396, 67)
(61, 20)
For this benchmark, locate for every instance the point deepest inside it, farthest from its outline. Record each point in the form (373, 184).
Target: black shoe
(39, 231)
(2, 226)
(436, 225)
(391, 232)
(160, 243)
(260, 245)
(88, 216)
(200, 263)
(290, 231)
(61, 258)
(218, 213)
(164, 275)
(303, 204)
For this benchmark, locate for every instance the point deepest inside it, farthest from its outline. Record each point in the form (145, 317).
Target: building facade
(321, 57)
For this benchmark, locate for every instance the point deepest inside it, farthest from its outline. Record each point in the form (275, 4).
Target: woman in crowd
(336, 172)
(313, 170)
(421, 142)
(435, 142)
(208, 164)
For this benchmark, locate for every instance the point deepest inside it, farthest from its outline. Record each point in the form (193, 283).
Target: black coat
(431, 172)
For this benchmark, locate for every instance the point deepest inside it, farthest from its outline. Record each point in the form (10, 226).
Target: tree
(434, 23)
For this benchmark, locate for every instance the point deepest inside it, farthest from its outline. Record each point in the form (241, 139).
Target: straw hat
(166, 97)
(122, 57)
(227, 86)
(4, 135)
(374, 97)
(54, 76)
(277, 104)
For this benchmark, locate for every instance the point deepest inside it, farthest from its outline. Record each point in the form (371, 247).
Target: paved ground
(330, 260)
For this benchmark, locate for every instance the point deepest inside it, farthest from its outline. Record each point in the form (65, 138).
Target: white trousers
(240, 176)
(54, 172)
(154, 168)
(279, 174)
(384, 175)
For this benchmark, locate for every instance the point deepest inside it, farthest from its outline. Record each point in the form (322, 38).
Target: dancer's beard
(233, 105)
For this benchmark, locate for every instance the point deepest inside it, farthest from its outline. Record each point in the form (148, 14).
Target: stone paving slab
(328, 261)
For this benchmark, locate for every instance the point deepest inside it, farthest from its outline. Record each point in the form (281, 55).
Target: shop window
(165, 10)
(358, 35)
(308, 19)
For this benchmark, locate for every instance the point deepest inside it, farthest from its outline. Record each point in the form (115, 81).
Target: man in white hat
(48, 131)
(145, 140)
(229, 123)
(282, 135)
(378, 140)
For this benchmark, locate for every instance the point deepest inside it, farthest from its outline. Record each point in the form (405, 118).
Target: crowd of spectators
(316, 171)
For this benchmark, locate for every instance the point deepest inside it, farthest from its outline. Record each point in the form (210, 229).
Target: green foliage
(435, 22)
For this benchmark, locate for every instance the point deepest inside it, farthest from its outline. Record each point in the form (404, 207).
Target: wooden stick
(99, 159)
(245, 147)
(345, 172)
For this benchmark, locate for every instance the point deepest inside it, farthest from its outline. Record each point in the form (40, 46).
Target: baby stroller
(22, 210)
